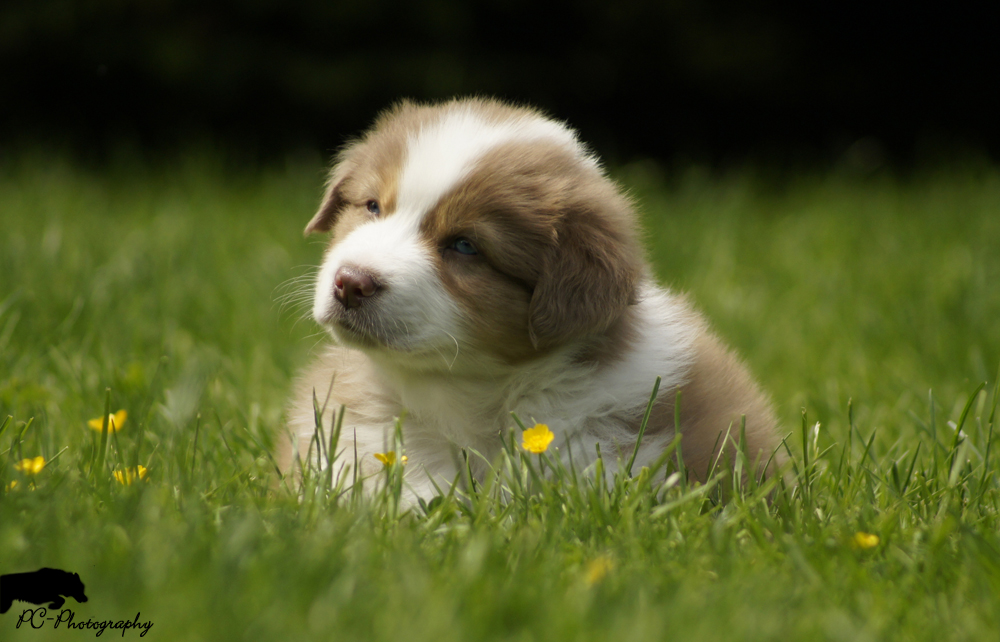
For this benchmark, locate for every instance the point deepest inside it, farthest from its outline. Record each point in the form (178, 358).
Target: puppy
(482, 263)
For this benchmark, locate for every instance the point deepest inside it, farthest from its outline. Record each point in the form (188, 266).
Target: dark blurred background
(877, 82)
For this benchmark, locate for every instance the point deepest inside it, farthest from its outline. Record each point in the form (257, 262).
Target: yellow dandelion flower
(389, 458)
(598, 568)
(31, 466)
(129, 475)
(864, 540)
(115, 421)
(536, 440)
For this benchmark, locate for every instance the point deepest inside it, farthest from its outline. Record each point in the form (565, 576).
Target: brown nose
(351, 286)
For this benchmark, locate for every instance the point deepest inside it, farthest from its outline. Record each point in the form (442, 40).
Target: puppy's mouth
(366, 329)
(356, 330)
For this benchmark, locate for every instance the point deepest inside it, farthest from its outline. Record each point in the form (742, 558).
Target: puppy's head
(472, 232)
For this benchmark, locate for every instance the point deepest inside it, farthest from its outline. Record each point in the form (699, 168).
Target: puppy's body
(482, 264)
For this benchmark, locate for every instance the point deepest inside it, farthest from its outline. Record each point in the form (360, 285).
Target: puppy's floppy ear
(333, 200)
(589, 275)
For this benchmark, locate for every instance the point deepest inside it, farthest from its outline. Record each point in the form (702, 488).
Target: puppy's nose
(351, 286)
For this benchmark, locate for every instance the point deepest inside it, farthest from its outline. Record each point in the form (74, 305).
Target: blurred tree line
(711, 80)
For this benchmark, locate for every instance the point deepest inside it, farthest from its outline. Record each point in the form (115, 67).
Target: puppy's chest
(479, 414)
(434, 410)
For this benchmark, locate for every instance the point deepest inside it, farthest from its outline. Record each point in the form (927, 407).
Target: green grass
(162, 284)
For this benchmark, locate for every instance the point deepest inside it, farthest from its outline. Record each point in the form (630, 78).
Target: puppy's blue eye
(463, 246)
(373, 207)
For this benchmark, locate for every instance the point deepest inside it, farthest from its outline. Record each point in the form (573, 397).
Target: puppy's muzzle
(352, 286)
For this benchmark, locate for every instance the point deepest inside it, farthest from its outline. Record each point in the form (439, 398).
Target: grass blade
(642, 427)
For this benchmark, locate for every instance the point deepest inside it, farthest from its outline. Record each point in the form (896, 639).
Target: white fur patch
(414, 308)
(442, 154)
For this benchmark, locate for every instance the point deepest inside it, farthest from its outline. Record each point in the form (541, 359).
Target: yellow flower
(598, 568)
(537, 439)
(115, 421)
(12, 485)
(31, 466)
(864, 540)
(389, 458)
(126, 477)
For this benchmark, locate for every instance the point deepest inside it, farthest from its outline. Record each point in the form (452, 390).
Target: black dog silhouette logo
(46, 585)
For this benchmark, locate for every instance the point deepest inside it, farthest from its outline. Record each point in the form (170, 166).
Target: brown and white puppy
(481, 262)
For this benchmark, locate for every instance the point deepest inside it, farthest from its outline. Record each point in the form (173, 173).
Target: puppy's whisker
(295, 292)
(457, 349)
(318, 341)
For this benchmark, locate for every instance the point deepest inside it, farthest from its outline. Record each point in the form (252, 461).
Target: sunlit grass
(156, 292)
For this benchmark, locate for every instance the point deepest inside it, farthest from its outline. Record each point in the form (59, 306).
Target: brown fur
(560, 239)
